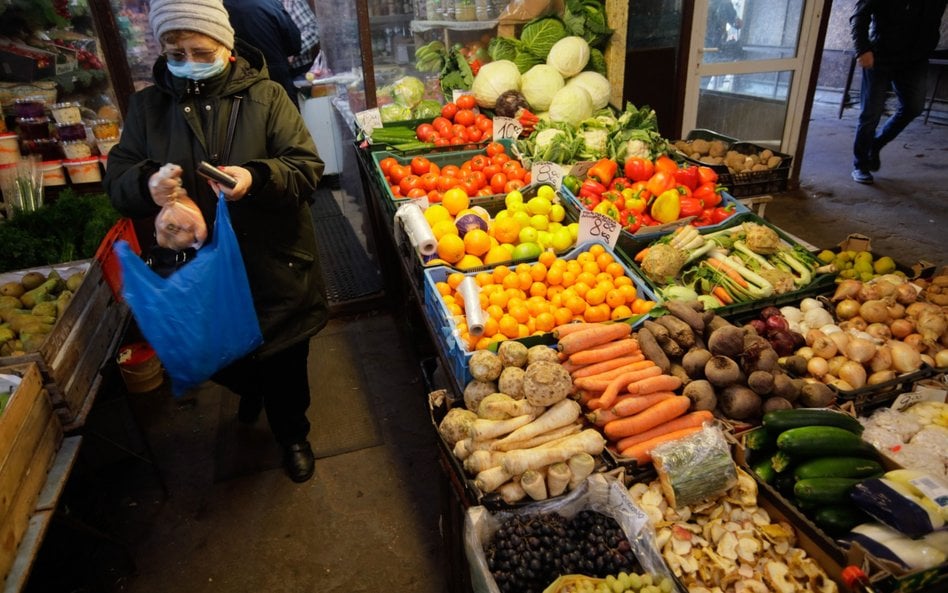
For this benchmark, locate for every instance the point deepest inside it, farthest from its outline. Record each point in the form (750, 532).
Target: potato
(774, 162)
(766, 154)
(717, 148)
(701, 146)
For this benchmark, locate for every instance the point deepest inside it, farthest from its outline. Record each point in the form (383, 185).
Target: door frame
(804, 67)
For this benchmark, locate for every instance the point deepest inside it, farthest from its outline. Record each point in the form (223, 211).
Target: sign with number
(369, 119)
(547, 173)
(506, 127)
(597, 227)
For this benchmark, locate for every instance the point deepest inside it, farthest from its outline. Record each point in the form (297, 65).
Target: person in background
(721, 14)
(893, 40)
(302, 14)
(266, 25)
(202, 77)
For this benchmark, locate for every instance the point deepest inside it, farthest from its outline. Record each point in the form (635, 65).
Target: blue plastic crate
(456, 352)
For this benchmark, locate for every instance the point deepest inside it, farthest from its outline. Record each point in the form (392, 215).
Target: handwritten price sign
(546, 173)
(506, 127)
(369, 119)
(597, 227)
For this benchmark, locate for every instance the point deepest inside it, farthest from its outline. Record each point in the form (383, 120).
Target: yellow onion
(885, 287)
(817, 367)
(941, 359)
(824, 347)
(840, 384)
(860, 350)
(836, 363)
(841, 339)
(874, 311)
(847, 308)
(879, 331)
(916, 341)
(896, 310)
(906, 294)
(880, 377)
(901, 328)
(882, 360)
(853, 373)
(905, 358)
(846, 289)
(813, 335)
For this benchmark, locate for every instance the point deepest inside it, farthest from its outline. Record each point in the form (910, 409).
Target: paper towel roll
(470, 291)
(417, 228)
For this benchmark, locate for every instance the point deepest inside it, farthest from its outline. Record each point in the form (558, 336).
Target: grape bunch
(529, 552)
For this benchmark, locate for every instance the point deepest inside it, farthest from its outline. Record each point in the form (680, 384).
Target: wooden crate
(79, 345)
(30, 435)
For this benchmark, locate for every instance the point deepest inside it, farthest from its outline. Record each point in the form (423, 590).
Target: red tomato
(480, 177)
(396, 191)
(386, 164)
(397, 172)
(513, 170)
(469, 185)
(424, 131)
(527, 177)
(495, 148)
(434, 196)
(459, 131)
(449, 111)
(446, 183)
(465, 117)
(474, 133)
(458, 141)
(429, 181)
(466, 102)
(420, 165)
(440, 122)
(512, 185)
(499, 159)
(486, 191)
(410, 182)
(450, 171)
(478, 162)
(490, 170)
(416, 192)
(439, 141)
(497, 182)
(435, 169)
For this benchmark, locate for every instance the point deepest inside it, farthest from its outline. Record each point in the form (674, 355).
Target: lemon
(546, 191)
(514, 197)
(557, 213)
(540, 222)
(539, 205)
(444, 227)
(528, 234)
(573, 228)
(522, 218)
(436, 213)
(562, 239)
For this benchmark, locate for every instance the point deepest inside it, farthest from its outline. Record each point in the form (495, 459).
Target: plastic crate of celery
(749, 260)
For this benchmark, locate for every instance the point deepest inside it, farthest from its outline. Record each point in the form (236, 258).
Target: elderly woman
(212, 101)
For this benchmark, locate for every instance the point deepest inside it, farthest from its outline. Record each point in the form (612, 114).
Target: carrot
(593, 336)
(568, 328)
(640, 256)
(594, 404)
(663, 411)
(586, 396)
(633, 404)
(651, 384)
(731, 272)
(611, 391)
(603, 384)
(601, 381)
(613, 349)
(642, 452)
(719, 293)
(601, 416)
(606, 365)
(680, 423)
(570, 367)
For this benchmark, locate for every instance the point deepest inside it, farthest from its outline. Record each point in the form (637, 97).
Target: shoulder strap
(231, 126)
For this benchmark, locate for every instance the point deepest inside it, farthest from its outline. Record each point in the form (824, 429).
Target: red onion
(782, 341)
(759, 326)
(770, 312)
(777, 322)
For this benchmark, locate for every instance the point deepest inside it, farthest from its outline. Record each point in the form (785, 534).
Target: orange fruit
(604, 259)
(483, 279)
(553, 292)
(451, 248)
(511, 281)
(641, 306)
(580, 288)
(499, 298)
(597, 313)
(620, 312)
(596, 249)
(574, 266)
(554, 277)
(476, 242)
(506, 230)
(547, 258)
(454, 279)
(444, 288)
(575, 304)
(569, 278)
(614, 269)
(591, 267)
(519, 312)
(455, 200)
(622, 280)
(584, 257)
(455, 309)
(628, 292)
(494, 311)
(595, 296)
(538, 271)
(538, 289)
(615, 299)
(483, 343)
(563, 315)
(508, 326)
(526, 280)
(586, 278)
(469, 261)
(499, 273)
(545, 322)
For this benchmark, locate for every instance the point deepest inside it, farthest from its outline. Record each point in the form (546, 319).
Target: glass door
(748, 67)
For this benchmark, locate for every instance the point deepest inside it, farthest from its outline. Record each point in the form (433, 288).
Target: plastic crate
(123, 230)
(752, 183)
(457, 353)
(447, 155)
(821, 284)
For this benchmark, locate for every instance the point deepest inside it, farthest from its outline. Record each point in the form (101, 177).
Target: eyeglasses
(196, 55)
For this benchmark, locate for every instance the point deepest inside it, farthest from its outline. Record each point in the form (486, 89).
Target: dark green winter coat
(184, 122)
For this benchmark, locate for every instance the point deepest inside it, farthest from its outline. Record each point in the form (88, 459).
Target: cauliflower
(663, 262)
(782, 281)
(761, 239)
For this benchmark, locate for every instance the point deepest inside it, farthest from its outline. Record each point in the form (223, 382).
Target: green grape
(635, 581)
(623, 579)
(666, 585)
(646, 580)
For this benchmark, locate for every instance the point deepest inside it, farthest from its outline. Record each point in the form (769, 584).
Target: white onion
(792, 314)
(860, 350)
(830, 328)
(853, 373)
(810, 303)
(817, 367)
(817, 317)
(905, 358)
(941, 358)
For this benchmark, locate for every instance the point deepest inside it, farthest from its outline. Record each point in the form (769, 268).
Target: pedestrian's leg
(910, 84)
(875, 86)
(288, 398)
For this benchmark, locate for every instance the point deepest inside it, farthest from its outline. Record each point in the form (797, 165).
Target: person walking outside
(893, 40)
(213, 101)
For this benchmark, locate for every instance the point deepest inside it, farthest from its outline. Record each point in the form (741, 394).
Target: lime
(527, 250)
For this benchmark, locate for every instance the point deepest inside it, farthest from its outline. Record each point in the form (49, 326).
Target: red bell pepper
(660, 182)
(630, 220)
(709, 193)
(690, 207)
(687, 176)
(591, 186)
(706, 174)
(703, 219)
(620, 183)
(638, 168)
(722, 213)
(589, 201)
(603, 171)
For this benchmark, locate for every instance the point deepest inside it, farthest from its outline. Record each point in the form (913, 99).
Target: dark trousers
(909, 83)
(282, 382)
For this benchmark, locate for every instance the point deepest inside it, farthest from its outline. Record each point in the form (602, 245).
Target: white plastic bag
(180, 225)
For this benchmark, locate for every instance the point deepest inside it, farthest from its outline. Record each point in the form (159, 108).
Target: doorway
(749, 64)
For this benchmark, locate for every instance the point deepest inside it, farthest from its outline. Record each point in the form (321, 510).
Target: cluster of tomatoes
(459, 123)
(491, 172)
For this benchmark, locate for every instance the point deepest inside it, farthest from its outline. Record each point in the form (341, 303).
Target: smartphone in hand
(209, 171)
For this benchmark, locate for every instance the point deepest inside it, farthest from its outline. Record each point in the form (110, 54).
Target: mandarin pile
(533, 298)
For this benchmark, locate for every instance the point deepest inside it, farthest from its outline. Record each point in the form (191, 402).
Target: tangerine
(508, 326)
(506, 230)
(519, 312)
(538, 271)
(604, 259)
(641, 306)
(469, 261)
(562, 315)
(596, 313)
(483, 279)
(538, 289)
(615, 299)
(629, 293)
(455, 200)
(554, 277)
(477, 242)
(494, 311)
(596, 249)
(547, 258)
(454, 279)
(595, 296)
(615, 269)
(620, 312)
(545, 322)
(444, 288)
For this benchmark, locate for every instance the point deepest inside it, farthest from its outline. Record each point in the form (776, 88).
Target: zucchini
(823, 441)
(837, 520)
(765, 471)
(784, 482)
(838, 467)
(758, 439)
(780, 461)
(824, 490)
(778, 421)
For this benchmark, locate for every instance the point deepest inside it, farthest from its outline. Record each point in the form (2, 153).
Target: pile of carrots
(629, 398)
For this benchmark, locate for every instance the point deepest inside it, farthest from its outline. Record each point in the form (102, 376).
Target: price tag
(506, 127)
(597, 227)
(581, 168)
(369, 119)
(547, 173)
(932, 489)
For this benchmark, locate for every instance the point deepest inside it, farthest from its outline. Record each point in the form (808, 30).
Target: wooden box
(80, 343)
(30, 436)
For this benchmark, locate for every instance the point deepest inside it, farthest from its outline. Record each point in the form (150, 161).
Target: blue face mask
(197, 70)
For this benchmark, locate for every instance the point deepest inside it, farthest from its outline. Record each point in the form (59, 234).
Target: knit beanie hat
(208, 17)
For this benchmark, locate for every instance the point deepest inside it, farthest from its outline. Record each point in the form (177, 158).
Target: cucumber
(784, 482)
(781, 461)
(758, 439)
(824, 490)
(837, 520)
(838, 467)
(778, 421)
(765, 471)
(823, 441)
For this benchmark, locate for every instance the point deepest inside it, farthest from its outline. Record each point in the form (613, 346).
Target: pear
(32, 280)
(10, 302)
(14, 289)
(74, 280)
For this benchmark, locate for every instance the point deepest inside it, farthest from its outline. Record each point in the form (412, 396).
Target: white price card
(932, 489)
(369, 119)
(457, 94)
(597, 227)
(506, 127)
(546, 173)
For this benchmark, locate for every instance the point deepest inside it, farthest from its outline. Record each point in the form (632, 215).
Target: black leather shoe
(299, 461)
(249, 410)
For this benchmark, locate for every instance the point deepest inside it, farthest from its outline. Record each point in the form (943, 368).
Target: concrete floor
(214, 511)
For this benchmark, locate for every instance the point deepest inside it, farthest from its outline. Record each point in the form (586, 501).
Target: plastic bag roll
(417, 228)
(469, 289)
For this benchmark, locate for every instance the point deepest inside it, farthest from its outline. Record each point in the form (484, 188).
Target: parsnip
(464, 447)
(491, 479)
(481, 460)
(557, 478)
(533, 483)
(560, 414)
(518, 461)
(512, 492)
(580, 465)
(482, 429)
(541, 440)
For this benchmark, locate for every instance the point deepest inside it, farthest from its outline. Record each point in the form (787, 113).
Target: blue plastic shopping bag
(200, 318)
